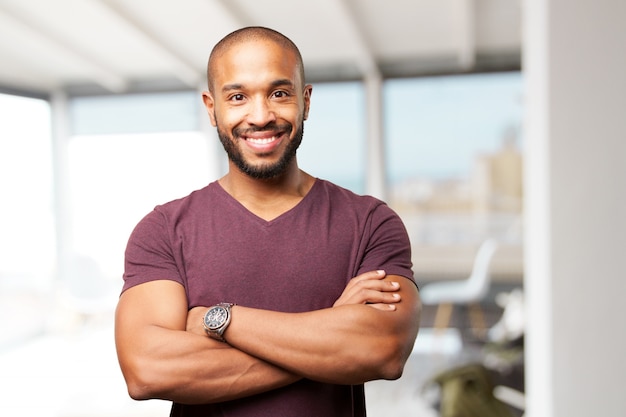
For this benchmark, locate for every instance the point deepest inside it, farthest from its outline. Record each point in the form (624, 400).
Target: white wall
(575, 69)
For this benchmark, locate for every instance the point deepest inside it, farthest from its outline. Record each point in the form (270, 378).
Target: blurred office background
(476, 120)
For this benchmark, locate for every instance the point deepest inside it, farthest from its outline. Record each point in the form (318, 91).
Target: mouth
(263, 141)
(260, 141)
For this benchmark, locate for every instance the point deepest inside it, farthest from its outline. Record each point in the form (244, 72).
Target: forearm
(186, 369)
(165, 361)
(346, 345)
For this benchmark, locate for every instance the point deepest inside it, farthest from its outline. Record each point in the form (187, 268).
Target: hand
(372, 289)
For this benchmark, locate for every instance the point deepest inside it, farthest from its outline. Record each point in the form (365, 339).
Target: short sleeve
(388, 246)
(149, 253)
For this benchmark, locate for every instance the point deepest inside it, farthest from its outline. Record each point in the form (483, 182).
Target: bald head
(247, 34)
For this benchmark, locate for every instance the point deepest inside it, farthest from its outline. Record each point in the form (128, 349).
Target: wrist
(216, 320)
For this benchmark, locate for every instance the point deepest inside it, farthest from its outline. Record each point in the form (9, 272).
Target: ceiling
(116, 46)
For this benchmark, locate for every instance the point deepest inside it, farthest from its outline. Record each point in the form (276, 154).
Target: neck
(268, 198)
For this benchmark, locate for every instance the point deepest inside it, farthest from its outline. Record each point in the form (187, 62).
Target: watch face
(215, 317)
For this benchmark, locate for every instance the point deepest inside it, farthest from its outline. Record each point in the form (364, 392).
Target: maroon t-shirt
(300, 261)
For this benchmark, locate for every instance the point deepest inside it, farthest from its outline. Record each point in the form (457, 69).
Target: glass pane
(333, 147)
(117, 179)
(27, 247)
(454, 149)
(135, 113)
(27, 232)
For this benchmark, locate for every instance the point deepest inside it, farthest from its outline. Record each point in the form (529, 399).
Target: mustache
(270, 127)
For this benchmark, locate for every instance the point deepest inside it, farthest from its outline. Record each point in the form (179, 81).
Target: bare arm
(159, 359)
(367, 335)
(347, 344)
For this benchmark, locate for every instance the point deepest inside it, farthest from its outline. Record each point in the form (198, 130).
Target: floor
(73, 372)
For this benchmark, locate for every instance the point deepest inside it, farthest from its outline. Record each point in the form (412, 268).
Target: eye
(236, 97)
(280, 94)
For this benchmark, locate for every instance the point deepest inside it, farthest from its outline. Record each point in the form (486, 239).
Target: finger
(390, 286)
(370, 275)
(383, 307)
(383, 298)
(367, 287)
(365, 296)
(361, 288)
(367, 277)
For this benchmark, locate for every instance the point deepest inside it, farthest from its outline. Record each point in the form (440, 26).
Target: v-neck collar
(251, 215)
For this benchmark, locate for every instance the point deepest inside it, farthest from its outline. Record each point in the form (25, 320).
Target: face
(258, 104)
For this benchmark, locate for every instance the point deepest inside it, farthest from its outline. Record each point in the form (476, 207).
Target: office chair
(470, 291)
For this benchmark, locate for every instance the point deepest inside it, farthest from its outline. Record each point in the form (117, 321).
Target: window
(454, 157)
(115, 180)
(333, 147)
(27, 247)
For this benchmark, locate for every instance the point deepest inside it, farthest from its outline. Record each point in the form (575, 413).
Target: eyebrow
(276, 83)
(229, 87)
(282, 82)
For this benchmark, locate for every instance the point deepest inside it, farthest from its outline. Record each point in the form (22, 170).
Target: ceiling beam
(366, 61)
(102, 74)
(239, 17)
(185, 71)
(467, 34)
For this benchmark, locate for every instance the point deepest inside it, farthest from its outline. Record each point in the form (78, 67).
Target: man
(269, 292)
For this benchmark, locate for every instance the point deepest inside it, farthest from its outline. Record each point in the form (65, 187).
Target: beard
(265, 170)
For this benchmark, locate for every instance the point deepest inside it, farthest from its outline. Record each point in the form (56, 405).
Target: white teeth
(262, 141)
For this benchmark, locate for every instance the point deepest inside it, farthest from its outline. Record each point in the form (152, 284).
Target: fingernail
(380, 272)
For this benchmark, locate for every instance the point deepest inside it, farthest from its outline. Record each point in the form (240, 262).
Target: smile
(261, 141)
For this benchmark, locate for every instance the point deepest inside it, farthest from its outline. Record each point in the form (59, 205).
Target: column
(575, 178)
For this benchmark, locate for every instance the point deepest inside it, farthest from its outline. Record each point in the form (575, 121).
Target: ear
(308, 90)
(209, 103)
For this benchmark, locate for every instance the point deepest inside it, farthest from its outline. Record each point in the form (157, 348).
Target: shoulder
(344, 199)
(200, 197)
(382, 231)
(341, 194)
(164, 218)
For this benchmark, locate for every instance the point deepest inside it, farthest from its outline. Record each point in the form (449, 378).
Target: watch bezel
(216, 330)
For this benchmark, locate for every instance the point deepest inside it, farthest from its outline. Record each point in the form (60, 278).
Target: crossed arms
(164, 353)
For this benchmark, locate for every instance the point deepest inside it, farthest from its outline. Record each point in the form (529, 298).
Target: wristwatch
(216, 320)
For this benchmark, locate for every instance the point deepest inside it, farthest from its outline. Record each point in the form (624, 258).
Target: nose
(261, 112)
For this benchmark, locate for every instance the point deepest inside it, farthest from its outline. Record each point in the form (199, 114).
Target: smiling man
(269, 292)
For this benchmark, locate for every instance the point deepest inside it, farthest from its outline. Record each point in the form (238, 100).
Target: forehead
(255, 61)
